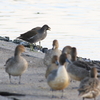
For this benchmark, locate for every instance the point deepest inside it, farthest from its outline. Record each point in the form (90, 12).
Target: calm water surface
(72, 22)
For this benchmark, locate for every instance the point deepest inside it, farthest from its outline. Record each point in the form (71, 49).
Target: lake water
(73, 22)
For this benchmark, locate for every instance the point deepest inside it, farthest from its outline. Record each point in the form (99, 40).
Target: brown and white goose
(59, 79)
(16, 65)
(51, 52)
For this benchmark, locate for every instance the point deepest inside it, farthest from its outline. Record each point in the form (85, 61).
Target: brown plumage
(90, 86)
(16, 65)
(51, 52)
(71, 52)
(55, 44)
(67, 49)
(59, 79)
(35, 35)
(53, 66)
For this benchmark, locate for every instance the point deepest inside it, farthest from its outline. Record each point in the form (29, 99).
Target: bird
(78, 70)
(16, 65)
(71, 52)
(59, 79)
(35, 35)
(67, 49)
(90, 86)
(51, 52)
(53, 66)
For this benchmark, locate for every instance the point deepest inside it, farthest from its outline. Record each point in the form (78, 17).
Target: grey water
(73, 22)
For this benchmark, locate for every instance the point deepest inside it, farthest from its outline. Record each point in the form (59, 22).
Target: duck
(67, 49)
(78, 70)
(90, 86)
(59, 79)
(71, 52)
(51, 52)
(35, 35)
(16, 65)
(53, 66)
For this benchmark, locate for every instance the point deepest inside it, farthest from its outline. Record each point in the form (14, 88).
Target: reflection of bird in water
(35, 35)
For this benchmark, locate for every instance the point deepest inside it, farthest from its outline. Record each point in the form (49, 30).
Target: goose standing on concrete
(50, 53)
(59, 79)
(17, 65)
(90, 86)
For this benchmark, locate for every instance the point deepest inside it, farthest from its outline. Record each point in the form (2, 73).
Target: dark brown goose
(35, 35)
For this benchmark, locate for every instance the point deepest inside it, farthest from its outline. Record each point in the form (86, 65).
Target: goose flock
(62, 66)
